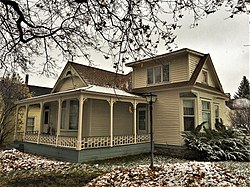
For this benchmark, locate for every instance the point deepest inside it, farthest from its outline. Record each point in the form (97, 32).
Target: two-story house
(95, 114)
(188, 92)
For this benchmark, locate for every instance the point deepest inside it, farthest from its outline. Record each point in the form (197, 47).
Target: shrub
(221, 143)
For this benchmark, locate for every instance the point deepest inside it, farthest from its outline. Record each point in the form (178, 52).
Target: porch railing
(87, 142)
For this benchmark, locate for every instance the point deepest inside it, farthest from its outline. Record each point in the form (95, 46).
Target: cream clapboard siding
(223, 109)
(166, 118)
(178, 71)
(100, 120)
(139, 77)
(193, 62)
(123, 119)
(70, 83)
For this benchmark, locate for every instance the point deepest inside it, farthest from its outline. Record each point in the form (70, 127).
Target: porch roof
(90, 90)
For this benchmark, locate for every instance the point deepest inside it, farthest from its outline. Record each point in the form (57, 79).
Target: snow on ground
(167, 174)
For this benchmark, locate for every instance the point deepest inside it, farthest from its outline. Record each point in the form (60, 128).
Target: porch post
(135, 129)
(80, 113)
(111, 102)
(59, 118)
(41, 122)
(16, 123)
(25, 119)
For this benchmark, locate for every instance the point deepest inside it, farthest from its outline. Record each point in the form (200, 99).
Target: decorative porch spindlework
(86, 142)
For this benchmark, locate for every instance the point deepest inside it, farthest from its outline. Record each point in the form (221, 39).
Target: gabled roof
(94, 76)
(192, 82)
(101, 77)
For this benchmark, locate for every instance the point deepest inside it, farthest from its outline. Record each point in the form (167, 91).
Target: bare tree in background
(11, 90)
(121, 30)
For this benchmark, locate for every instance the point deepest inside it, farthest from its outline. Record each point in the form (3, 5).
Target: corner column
(80, 114)
(111, 103)
(59, 118)
(41, 122)
(135, 116)
(26, 119)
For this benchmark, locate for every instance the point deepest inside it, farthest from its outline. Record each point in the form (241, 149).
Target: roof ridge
(97, 68)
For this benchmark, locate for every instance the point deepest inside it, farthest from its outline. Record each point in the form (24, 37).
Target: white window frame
(184, 115)
(153, 69)
(206, 111)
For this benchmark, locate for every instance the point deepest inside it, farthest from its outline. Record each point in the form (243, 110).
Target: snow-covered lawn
(129, 171)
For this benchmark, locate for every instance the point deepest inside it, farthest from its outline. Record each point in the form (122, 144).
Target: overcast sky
(226, 40)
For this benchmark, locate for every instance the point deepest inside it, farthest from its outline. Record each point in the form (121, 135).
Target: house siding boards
(193, 62)
(100, 120)
(167, 123)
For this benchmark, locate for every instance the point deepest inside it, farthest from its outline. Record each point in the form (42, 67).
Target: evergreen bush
(221, 143)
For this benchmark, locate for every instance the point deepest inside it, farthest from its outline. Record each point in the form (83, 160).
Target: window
(216, 113)
(150, 75)
(188, 115)
(157, 71)
(158, 74)
(206, 117)
(46, 115)
(165, 72)
(63, 120)
(73, 114)
(204, 77)
(30, 124)
(142, 120)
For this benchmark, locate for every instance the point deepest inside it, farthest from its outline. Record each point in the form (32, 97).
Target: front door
(142, 120)
(46, 126)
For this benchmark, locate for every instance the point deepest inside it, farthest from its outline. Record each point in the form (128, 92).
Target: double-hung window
(189, 115)
(206, 113)
(158, 74)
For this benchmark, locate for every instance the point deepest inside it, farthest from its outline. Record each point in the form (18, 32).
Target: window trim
(216, 118)
(153, 68)
(194, 115)
(207, 111)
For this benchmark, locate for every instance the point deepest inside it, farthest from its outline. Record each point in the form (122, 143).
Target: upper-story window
(204, 77)
(158, 74)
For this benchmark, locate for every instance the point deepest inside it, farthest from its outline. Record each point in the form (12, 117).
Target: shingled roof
(38, 90)
(99, 77)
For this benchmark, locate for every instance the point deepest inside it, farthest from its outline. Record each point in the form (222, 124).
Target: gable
(77, 75)
(68, 80)
(207, 76)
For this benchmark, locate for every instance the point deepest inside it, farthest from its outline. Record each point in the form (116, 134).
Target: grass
(75, 174)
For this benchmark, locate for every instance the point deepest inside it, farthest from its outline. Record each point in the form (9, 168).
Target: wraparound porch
(83, 119)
